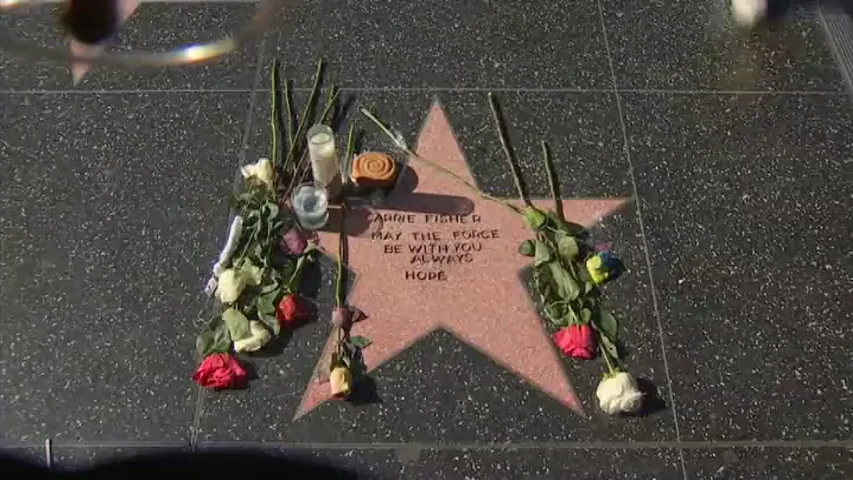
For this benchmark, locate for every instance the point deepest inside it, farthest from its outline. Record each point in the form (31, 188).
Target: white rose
(231, 285)
(260, 336)
(619, 394)
(262, 170)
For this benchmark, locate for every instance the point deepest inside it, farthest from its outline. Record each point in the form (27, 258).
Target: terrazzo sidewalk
(731, 158)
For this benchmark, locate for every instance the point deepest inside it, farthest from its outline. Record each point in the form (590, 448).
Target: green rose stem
(400, 144)
(341, 351)
(611, 370)
(553, 181)
(500, 125)
(274, 117)
(300, 170)
(290, 113)
(339, 280)
(325, 117)
(296, 277)
(239, 257)
(305, 113)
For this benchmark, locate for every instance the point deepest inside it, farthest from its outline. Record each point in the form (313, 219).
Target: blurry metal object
(91, 21)
(94, 29)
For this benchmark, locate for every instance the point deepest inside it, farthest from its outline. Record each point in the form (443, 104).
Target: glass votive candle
(310, 204)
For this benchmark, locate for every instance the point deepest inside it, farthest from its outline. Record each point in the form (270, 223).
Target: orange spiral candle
(373, 169)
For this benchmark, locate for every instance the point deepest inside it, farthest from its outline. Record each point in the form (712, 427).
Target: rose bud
(291, 309)
(342, 317)
(340, 383)
(293, 242)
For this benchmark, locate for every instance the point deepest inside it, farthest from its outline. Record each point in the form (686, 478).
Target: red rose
(219, 371)
(290, 310)
(576, 341)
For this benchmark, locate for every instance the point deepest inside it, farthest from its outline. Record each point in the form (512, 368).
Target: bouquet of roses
(258, 274)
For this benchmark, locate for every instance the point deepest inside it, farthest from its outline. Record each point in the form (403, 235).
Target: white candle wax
(324, 157)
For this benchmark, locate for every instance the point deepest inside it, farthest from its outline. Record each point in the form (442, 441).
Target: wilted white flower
(261, 170)
(259, 337)
(618, 393)
(230, 286)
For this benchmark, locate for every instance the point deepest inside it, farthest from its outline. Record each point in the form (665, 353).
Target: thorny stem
(243, 251)
(299, 172)
(500, 125)
(552, 180)
(297, 273)
(273, 117)
(350, 153)
(303, 121)
(290, 113)
(339, 281)
(400, 144)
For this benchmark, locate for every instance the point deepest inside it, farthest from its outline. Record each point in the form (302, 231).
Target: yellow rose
(340, 381)
(261, 170)
(230, 286)
(597, 270)
(260, 336)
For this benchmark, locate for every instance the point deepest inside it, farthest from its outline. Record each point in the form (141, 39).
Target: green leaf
(270, 321)
(558, 222)
(270, 211)
(276, 226)
(270, 287)
(554, 312)
(266, 303)
(567, 247)
(607, 324)
(534, 218)
(257, 252)
(588, 287)
(221, 338)
(251, 273)
(272, 219)
(571, 317)
(310, 249)
(214, 339)
(567, 287)
(610, 347)
(360, 342)
(286, 271)
(254, 216)
(238, 324)
(542, 253)
(204, 343)
(526, 248)
(586, 316)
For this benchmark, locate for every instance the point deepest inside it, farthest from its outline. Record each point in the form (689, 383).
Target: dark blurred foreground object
(94, 22)
(219, 464)
(90, 21)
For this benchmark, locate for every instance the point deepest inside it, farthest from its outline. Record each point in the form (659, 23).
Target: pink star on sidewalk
(476, 296)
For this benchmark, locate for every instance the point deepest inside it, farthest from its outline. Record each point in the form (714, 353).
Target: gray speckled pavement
(736, 152)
